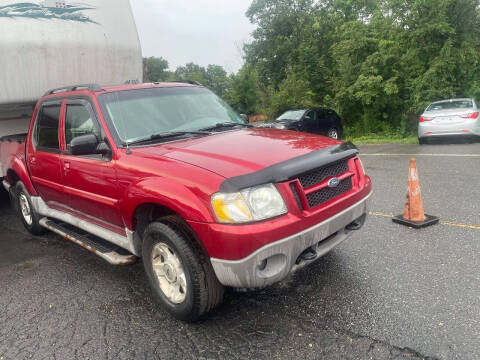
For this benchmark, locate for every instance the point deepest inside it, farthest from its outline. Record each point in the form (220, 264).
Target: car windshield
(140, 113)
(292, 115)
(450, 105)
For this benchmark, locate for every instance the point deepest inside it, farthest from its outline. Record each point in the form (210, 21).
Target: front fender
(19, 167)
(164, 192)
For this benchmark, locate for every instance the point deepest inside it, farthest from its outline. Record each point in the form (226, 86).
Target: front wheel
(180, 275)
(29, 217)
(333, 133)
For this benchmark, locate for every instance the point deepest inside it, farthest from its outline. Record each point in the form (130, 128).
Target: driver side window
(78, 122)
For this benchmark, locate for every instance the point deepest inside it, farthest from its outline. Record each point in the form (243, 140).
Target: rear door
(310, 122)
(43, 153)
(323, 121)
(90, 180)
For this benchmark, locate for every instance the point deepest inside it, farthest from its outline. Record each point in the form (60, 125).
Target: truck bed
(11, 146)
(19, 138)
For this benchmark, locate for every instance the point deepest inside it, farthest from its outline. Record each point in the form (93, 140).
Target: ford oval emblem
(333, 182)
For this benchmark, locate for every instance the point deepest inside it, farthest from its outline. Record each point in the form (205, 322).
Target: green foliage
(293, 93)
(244, 93)
(378, 63)
(379, 139)
(214, 76)
(191, 71)
(155, 69)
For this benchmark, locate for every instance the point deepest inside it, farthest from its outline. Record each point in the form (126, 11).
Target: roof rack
(91, 87)
(191, 82)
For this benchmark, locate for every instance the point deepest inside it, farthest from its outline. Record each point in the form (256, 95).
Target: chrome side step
(125, 242)
(112, 253)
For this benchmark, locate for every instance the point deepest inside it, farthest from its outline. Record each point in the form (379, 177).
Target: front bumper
(273, 262)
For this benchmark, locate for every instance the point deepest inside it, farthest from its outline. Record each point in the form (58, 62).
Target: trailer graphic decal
(48, 10)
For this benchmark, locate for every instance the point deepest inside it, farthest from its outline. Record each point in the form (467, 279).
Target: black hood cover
(291, 168)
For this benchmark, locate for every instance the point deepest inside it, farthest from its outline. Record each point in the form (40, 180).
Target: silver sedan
(449, 118)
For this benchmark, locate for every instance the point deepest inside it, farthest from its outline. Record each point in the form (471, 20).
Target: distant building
(55, 4)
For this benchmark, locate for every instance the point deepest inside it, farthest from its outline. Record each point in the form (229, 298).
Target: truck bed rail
(16, 137)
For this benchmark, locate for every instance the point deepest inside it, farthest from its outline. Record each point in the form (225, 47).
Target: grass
(382, 139)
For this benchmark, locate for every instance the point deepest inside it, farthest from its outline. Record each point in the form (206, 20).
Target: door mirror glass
(84, 145)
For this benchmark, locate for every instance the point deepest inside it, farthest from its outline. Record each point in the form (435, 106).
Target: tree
(244, 93)
(155, 69)
(293, 93)
(191, 71)
(378, 63)
(216, 79)
(213, 77)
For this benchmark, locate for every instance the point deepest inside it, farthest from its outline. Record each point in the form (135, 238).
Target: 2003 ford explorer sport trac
(170, 173)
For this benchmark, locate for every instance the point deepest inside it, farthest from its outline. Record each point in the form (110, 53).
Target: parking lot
(388, 292)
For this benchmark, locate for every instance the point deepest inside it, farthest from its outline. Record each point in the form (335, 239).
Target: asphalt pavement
(388, 292)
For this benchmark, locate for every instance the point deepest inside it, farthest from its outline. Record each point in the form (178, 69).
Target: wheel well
(147, 213)
(12, 177)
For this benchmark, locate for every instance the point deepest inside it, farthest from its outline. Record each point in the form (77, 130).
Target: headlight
(252, 204)
(280, 126)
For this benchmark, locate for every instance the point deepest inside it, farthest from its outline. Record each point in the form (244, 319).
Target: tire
(333, 133)
(30, 219)
(180, 264)
(422, 141)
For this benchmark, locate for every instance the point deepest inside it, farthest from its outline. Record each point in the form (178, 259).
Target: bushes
(377, 63)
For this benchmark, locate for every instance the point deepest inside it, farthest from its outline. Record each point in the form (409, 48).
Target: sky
(200, 31)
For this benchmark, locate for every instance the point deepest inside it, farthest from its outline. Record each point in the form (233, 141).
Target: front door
(90, 180)
(43, 154)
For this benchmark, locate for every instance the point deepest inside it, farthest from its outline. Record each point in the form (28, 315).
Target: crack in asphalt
(339, 308)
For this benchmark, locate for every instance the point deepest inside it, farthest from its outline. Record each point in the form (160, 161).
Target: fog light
(272, 266)
(263, 265)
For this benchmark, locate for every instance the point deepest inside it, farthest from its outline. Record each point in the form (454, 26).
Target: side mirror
(103, 149)
(244, 118)
(84, 145)
(307, 118)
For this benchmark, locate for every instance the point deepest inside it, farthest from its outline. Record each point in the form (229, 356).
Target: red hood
(240, 152)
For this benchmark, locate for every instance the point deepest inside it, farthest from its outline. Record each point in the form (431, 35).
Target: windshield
(450, 105)
(140, 113)
(292, 115)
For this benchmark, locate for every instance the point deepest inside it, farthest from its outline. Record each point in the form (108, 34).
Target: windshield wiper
(165, 135)
(224, 125)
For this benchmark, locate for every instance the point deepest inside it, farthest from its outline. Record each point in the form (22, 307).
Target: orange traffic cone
(413, 214)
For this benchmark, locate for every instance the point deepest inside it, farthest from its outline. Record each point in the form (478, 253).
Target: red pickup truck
(170, 173)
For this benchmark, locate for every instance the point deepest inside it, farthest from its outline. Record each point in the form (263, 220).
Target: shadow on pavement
(449, 140)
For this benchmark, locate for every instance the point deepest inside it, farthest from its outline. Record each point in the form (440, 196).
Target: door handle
(66, 166)
(33, 160)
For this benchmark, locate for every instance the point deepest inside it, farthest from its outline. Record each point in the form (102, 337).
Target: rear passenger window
(78, 122)
(47, 127)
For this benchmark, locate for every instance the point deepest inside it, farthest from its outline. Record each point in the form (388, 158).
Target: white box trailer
(50, 44)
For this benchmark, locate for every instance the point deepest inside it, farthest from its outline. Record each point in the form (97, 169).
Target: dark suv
(317, 121)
